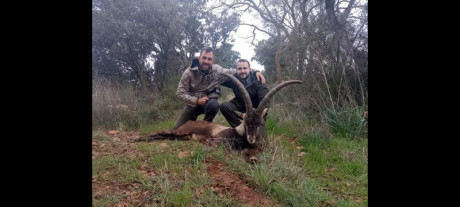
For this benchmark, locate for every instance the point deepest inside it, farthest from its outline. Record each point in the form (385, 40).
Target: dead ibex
(205, 131)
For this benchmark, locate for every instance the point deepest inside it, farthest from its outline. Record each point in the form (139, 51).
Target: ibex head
(253, 118)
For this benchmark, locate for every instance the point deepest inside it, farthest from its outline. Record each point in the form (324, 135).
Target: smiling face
(242, 69)
(206, 60)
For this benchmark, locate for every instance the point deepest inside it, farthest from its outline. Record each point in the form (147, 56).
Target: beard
(243, 75)
(205, 66)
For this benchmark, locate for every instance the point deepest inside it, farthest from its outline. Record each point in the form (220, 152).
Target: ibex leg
(164, 135)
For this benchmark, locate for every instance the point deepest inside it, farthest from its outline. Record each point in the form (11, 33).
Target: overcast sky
(243, 40)
(243, 35)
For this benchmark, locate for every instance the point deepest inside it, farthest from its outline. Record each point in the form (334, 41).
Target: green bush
(346, 122)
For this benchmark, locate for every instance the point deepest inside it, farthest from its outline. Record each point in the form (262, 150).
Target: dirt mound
(231, 185)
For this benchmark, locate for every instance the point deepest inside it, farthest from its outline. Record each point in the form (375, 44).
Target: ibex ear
(265, 111)
(239, 114)
(263, 115)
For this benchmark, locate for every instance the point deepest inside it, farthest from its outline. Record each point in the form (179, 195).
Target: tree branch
(255, 27)
(346, 13)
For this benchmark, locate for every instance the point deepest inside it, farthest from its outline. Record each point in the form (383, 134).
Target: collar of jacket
(249, 79)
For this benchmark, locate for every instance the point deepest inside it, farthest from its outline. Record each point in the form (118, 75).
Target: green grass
(156, 126)
(100, 136)
(183, 196)
(106, 200)
(332, 172)
(275, 127)
(279, 175)
(121, 169)
(346, 122)
(343, 161)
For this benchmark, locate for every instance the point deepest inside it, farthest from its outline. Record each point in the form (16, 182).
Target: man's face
(242, 69)
(206, 60)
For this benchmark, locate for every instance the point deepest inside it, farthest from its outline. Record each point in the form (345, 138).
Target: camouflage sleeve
(219, 79)
(230, 71)
(183, 89)
(220, 69)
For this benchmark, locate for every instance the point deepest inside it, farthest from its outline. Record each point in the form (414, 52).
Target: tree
(312, 39)
(225, 56)
(353, 55)
(120, 43)
(146, 42)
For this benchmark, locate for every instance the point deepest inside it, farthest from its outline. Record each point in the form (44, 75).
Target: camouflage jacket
(195, 84)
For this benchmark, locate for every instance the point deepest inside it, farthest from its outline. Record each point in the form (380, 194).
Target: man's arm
(259, 76)
(262, 90)
(220, 69)
(183, 89)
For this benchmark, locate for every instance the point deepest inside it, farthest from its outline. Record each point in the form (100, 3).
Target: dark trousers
(227, 109)
(209, 110)
(234, 120)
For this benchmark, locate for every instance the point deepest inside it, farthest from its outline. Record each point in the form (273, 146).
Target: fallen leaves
(164, 145)
(330, 169)
(185, 153)
(113, 132)
(146, 174)
(199, 191)
(182, 154)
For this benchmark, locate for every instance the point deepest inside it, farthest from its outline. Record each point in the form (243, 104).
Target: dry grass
(115, 105)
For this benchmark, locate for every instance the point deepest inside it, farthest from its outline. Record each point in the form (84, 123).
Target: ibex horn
(246, 97)
(272, 92)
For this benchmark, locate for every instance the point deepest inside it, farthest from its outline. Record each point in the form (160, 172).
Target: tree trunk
(301, 61)
(277, 61)
(345, 43)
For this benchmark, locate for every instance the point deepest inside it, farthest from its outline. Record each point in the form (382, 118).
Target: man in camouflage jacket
(199, 88)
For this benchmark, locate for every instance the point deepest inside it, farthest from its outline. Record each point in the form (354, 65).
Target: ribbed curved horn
(272, 92)
(245, 93)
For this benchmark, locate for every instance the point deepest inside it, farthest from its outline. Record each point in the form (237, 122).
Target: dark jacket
(256, 90)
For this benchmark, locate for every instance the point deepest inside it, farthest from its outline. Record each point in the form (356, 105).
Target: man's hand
(260, 77)
(202, 101)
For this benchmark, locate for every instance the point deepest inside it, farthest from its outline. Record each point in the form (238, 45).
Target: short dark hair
(244, 60)
(207, 49)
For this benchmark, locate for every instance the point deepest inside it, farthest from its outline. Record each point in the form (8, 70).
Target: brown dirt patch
(227, 183)
(132, 194)
(129, 194)
(120, 143)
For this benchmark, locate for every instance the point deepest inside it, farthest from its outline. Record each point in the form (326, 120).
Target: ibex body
(246, 132)
(203, 131)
